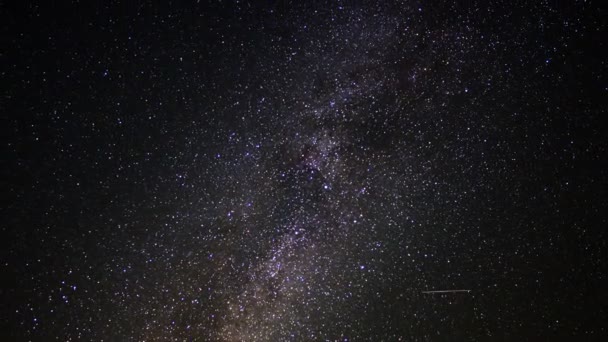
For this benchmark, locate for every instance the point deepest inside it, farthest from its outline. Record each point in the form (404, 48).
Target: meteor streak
(446, 291)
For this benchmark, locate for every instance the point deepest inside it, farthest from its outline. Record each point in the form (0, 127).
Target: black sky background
(169, 170)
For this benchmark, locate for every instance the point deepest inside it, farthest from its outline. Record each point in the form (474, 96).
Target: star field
(277, 171)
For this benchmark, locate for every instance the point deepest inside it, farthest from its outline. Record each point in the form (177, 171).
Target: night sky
(290, 171)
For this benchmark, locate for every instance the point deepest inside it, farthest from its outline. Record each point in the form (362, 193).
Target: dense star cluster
(291, 171)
